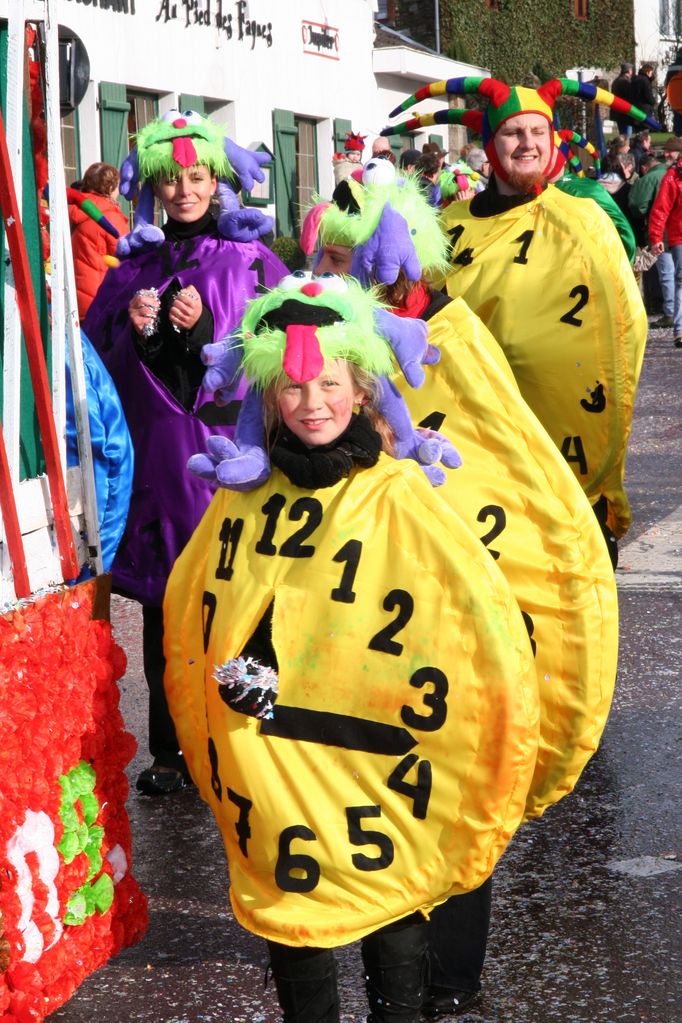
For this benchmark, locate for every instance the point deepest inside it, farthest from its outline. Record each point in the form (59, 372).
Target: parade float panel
(395, 766)
(68, 900)
(515, 491)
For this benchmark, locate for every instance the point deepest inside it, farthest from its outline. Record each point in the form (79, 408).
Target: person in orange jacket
(91, 239)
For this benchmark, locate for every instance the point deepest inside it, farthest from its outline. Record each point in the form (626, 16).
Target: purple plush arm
(242, 464)
(409, 341)
(222, 359)
(130, 175)
(246, 163)
(388, 251)
(423, 446)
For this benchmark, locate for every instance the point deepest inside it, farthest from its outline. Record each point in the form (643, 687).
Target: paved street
(587, 905)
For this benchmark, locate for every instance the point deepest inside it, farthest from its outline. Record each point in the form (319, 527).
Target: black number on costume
(293, 547)
(209, 602)
(230, 532)
(597, 402)
(582, 293)
(181, 251)
(455, 233)
(526, 238)
(578, 457)
(419, 793)
(499, 516)
(530, 625)
(435, 700)
(434, 421)
(216, 784)
(357, 836)
(350, 553)
(383, 640)
(272, 509)
(257, 265)
(242, 827)
(308, 869)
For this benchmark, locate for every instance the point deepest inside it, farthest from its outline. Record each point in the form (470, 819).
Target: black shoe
(677, 340)
(161, 781)
(664, 321)
(444, 1002)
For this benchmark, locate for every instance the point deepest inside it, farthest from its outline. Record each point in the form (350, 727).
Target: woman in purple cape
(176, 290)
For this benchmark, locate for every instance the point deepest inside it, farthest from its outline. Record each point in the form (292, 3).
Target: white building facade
(288, 77)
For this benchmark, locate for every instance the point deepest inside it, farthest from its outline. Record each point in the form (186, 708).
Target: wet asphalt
(587, 901)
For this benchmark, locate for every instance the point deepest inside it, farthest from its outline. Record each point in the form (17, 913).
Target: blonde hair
(366, 382)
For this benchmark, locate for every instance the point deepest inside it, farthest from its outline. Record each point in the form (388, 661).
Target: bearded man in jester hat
(176, 289)
(549, 278)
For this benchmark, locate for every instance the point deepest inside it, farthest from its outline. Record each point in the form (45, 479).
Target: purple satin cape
(167, 502)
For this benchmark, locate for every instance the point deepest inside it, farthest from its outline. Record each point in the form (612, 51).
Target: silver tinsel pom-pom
(247, 686)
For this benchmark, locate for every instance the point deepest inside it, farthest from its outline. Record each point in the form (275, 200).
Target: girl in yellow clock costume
(392, 765)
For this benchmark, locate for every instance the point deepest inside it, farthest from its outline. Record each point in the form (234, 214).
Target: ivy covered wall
(520, 37)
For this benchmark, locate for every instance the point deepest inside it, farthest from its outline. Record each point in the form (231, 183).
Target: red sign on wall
(320, 40)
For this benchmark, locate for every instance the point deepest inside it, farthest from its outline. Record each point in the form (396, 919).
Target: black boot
(395, 967)
(305, 979)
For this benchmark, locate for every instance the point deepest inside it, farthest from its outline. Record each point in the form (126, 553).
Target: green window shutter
(113, 116)
(189, 102)
(341, 129)
(285, 132)
(396, 144)
(439, 140)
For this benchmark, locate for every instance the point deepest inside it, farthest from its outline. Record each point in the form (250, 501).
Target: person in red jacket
(90, 241)
(666, 217)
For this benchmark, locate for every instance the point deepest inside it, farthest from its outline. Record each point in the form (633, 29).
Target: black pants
(394, 958)
(458, 936)
(163, 743)
(601, 510)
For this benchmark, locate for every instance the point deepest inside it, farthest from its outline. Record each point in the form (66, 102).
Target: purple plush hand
(242, 464)
(409, 341)
(423, 446)
(389, 250)
(246, 163)
(244, 225)
(238, 223)
(144, 235)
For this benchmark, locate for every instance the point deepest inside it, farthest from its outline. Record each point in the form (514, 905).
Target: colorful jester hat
(354, 216)
(505, 101)
(563, 139)
(300, 325)
(176, 141)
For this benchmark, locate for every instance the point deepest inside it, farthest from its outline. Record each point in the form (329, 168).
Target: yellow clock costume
(574, 338)
(516, 493)
(396, 765)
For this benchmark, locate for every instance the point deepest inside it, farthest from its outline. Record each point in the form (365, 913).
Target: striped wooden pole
(36, 361)
(10, 520)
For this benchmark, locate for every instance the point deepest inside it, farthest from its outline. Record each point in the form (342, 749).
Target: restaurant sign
(320, 40)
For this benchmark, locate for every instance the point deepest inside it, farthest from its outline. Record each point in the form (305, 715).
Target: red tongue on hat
(184, 152)
(302, 356)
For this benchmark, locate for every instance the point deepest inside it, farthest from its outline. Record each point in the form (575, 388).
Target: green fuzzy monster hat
(353, 217)
(173, 142)
(297, 327)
